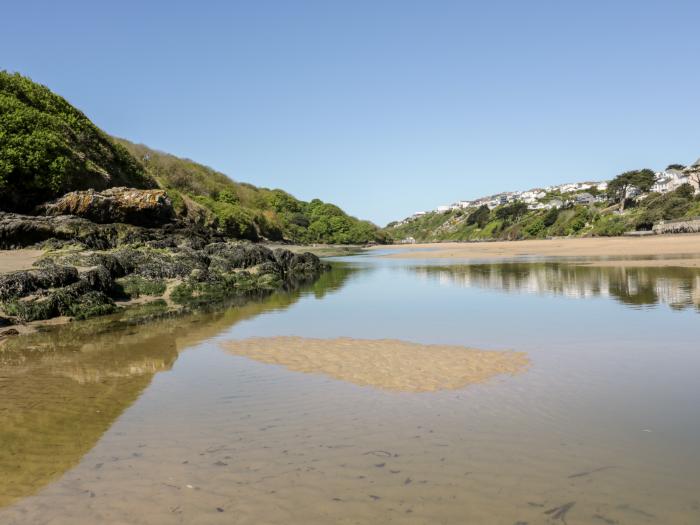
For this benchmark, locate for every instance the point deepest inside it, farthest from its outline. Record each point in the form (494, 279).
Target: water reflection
(678, 288)
(62, 389)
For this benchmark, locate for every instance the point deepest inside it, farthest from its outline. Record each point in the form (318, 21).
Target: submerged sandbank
(387, 364)
(664, 250)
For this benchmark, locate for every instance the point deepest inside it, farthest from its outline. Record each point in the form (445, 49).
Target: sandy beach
(15, 260)
(662, 250)
(387, 364)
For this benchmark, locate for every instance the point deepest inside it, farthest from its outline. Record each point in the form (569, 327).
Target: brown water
(115, 422)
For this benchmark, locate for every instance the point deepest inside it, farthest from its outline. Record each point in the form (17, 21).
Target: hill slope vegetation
(246, 211)
(49, 148)
(610, 215)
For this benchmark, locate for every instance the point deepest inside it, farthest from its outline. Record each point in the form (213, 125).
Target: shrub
(48, 147)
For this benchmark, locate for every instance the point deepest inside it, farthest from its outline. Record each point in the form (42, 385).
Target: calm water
(114, 422)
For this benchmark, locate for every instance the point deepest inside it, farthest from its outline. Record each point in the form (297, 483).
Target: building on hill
(671, 179)
(584, 198)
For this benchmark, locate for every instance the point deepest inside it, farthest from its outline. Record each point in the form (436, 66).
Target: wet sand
(387, 364)
(666, 250)
(15, 260)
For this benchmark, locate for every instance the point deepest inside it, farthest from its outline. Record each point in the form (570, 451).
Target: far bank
(658, 250)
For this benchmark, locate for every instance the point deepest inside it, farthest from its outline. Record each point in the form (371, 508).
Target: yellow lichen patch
(383, 363)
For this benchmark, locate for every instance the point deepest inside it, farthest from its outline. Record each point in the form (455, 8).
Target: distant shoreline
(681, 250)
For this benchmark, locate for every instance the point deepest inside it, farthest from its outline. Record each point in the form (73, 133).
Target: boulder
(20, 284)
(115, 205)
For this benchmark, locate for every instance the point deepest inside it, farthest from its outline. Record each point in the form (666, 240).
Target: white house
(669, 180)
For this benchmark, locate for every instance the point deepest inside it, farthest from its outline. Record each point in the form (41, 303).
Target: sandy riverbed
(382, 363)
(662, 250)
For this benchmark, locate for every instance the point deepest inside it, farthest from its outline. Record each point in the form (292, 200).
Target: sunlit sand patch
(388, 364)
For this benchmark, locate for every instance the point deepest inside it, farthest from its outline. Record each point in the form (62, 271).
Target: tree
(620, 186)
(511, 211)
(551, 217)
(675, 167)
(480, 216)
(685, 191)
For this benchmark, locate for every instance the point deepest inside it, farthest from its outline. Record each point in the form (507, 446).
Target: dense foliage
(619, 187)
(48, 147)
(245, 211)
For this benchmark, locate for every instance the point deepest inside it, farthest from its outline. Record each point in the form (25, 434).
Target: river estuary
(113, 422)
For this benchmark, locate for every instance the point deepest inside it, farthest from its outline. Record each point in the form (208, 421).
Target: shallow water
(115, 422)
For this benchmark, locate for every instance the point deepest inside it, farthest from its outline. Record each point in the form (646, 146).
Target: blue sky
(383, 107)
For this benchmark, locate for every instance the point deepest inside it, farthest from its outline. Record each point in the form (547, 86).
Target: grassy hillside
(514, 221)
(246, 211)
(48, 147)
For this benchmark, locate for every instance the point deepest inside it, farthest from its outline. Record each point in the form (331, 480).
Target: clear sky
(383, 107)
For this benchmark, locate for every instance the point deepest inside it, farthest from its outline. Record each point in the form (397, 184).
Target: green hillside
(49, 148)
(246, 211)
(515, 221)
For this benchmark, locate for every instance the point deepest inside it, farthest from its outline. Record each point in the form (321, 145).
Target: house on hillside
(584, 198)
(554, 203)
(671, 179)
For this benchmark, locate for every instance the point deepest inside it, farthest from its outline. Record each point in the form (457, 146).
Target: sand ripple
(388, 364)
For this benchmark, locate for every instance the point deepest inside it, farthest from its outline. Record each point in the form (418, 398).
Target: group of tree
(620, 187)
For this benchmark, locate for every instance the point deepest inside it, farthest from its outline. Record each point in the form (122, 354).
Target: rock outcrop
(115, 205)
(83, 284)
(20, 231)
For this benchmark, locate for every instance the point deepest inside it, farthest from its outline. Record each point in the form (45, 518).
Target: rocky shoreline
(93, 268)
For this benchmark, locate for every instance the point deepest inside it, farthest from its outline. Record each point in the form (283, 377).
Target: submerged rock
(115, 205)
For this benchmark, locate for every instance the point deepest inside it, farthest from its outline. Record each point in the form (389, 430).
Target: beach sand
(15, 260)
(659, 250)
(382, 363)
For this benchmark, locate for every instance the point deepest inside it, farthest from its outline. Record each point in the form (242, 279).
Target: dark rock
(109, 261)
(226, 256)
(20, 284)
(124, 205)
(19, 231)
(76, 300)
(298, 264)
(98, 278)
(157, 264)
